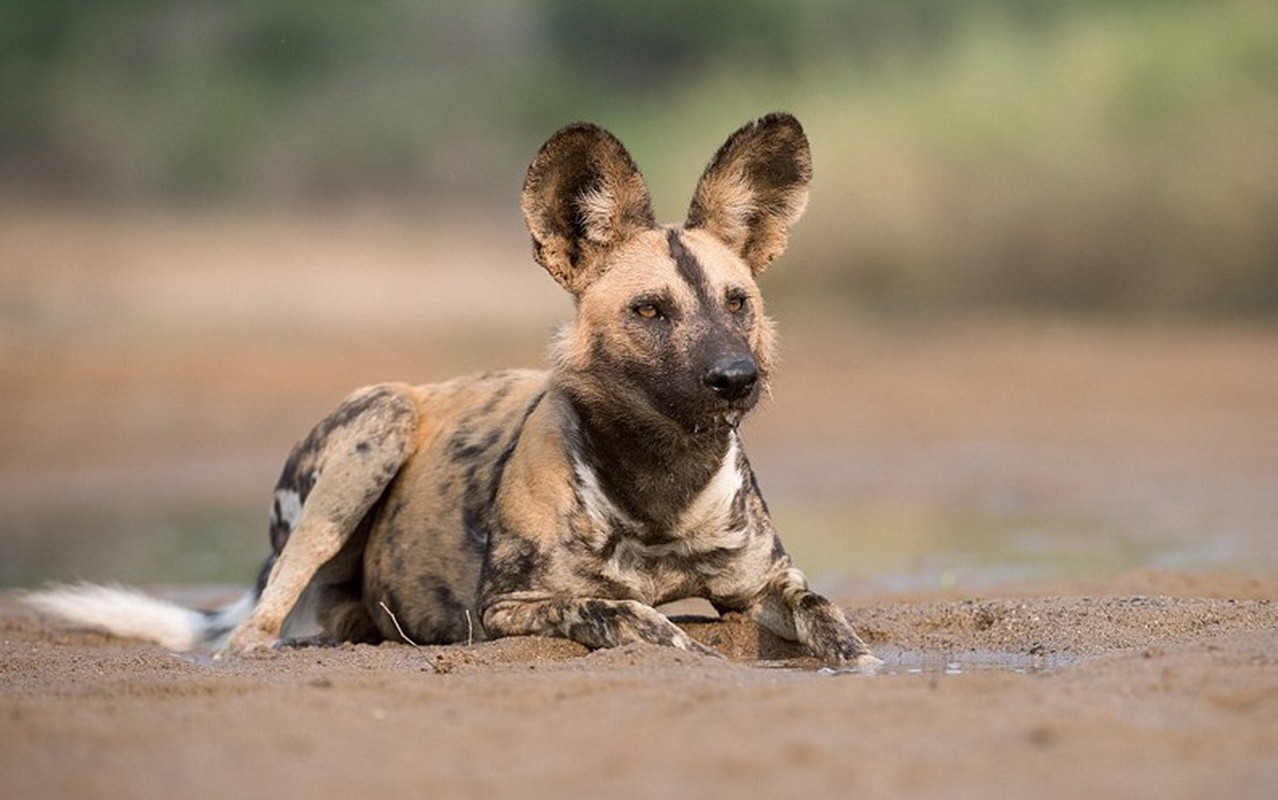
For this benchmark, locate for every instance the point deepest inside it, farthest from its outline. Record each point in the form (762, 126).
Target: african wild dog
(564, 503)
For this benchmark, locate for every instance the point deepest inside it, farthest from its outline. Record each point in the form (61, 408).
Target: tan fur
(570, 502)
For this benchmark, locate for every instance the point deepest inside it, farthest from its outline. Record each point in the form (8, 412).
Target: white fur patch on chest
(598, 505)
(705, 525)
(709, 514)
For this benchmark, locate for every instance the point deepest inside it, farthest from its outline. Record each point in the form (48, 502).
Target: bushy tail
(130, 613)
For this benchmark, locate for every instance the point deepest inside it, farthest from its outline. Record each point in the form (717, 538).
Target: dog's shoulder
(539, 486)
(467, 424)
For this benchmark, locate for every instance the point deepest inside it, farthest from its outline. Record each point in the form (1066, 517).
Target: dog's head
(670, 322)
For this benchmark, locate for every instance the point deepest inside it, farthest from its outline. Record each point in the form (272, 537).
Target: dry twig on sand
(404, 636)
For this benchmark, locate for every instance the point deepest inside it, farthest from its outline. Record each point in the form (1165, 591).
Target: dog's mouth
(719, 414)
(728, 420)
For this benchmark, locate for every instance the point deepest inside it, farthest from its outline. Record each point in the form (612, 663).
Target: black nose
(732, 378)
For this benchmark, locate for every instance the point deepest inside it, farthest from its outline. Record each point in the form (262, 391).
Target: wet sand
(1149, 693)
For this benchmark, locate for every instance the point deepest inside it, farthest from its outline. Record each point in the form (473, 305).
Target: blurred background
(1029, 316)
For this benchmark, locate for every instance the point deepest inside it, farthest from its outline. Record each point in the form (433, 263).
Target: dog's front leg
(791, 610)
(593, 622)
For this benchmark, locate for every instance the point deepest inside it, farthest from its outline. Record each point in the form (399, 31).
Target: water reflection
(918, 662)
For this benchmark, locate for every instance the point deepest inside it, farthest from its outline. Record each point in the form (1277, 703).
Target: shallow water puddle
(915, 662)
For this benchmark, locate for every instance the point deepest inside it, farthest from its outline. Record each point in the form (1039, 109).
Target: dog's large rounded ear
(583, 196)
(755, 188)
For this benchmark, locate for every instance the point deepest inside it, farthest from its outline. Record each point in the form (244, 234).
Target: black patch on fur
(302, 469)
(690, 269)
(739, 516)
(511, 566)
(650, 470)
(477, 503)
(445, 599)
(778, 549)
(589, 570)
(810, 602)
(605, 624)
(479, 498)
(497, 395)
(316, 640)
(264, 573)
(446, 622)
(424, 608)
(754, 486)
(462, 448)
(475, 517)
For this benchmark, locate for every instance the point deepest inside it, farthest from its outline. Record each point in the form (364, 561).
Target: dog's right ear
(582, 197)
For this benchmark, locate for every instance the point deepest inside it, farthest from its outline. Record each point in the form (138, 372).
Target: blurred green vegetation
(1068, 154)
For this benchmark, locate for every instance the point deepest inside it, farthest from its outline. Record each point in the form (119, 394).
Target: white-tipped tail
(129, 613)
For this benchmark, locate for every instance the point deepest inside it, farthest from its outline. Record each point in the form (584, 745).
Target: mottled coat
(570, 502)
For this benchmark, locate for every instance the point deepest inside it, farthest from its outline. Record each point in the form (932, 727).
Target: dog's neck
(651, 469)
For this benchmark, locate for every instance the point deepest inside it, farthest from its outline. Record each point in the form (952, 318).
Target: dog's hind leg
(349, 459)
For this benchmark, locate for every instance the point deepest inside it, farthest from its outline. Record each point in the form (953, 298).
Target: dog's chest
(655, 565)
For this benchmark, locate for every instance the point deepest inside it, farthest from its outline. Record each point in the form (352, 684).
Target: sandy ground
(1059, 536)
(1103, 695)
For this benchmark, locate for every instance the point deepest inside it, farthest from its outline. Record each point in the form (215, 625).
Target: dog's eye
(735, 304)
(647, 311)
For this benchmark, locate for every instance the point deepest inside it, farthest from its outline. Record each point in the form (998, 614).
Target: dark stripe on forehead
(689, 267)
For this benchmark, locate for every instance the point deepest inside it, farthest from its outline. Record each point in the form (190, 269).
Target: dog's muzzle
(732, 379)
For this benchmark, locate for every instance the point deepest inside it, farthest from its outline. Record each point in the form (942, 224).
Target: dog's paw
(245, 640)
(853, 651)
(686, 642)
(841, 647)
(867, 663)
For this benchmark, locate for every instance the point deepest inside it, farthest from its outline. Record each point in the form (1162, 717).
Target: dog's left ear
(755, 188)
(582, 197)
